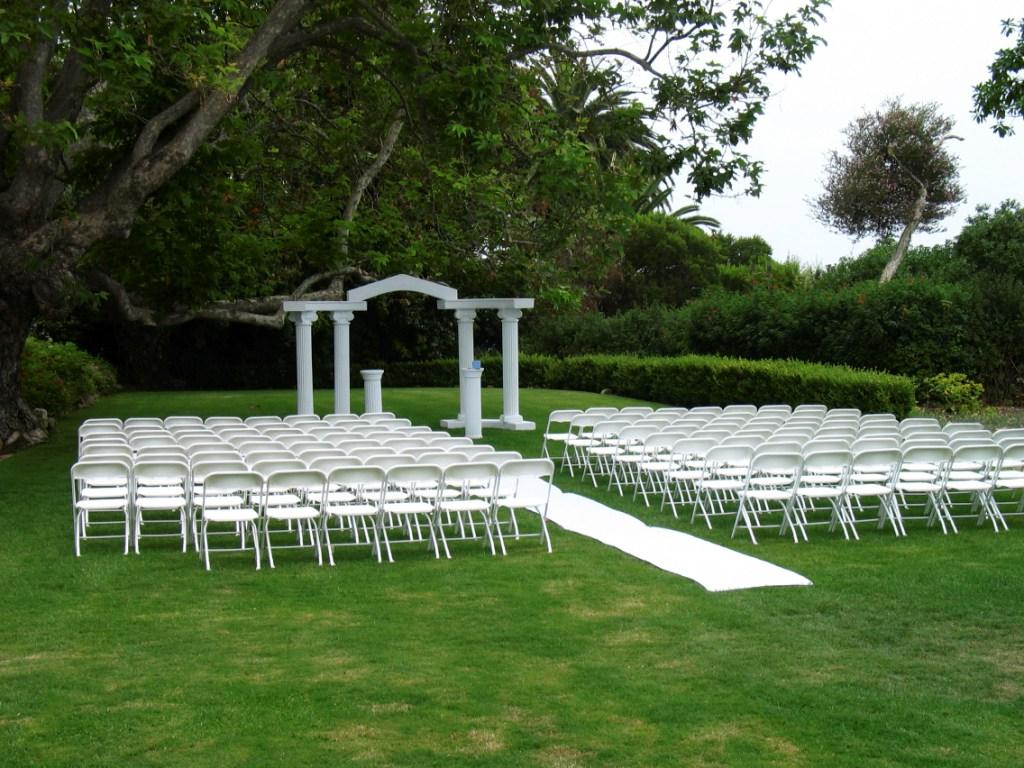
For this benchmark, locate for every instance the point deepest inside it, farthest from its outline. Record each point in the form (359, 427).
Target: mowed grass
(904, 652)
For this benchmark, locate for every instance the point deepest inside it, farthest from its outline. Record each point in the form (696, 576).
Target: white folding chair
(406, 500)
(873, 474)
(557, 430)
(161, 486)
(230, 498)
(288, 497)
(348, 503)
(923, 473)
(524, 484)
(99, 487)
(770, 489)
(475, 483)
(724, 475)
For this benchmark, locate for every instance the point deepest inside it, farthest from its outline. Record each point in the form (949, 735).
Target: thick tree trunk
(904, 242)
(18, 425)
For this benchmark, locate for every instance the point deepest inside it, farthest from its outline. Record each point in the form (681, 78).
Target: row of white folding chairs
(310, 495)
(661, 454)
(710, 479)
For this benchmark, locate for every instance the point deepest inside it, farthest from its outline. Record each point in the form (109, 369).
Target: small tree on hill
(896, 176)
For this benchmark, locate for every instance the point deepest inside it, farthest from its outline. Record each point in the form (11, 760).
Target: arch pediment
(398, 283)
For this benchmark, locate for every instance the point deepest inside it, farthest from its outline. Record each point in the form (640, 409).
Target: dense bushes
(59, 377)
(910, 327)
(688, 380)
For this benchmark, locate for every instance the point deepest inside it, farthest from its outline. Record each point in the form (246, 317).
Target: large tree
(897, 175)
(102, 105)
(1001, 97)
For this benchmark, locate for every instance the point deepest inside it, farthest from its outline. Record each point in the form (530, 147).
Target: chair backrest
(782, 465)
(161, 440)
(728, 455)
(1008, 436)
(523, 468)
(874, 442)
(162, 450)
(749, 441)
(636, 410)
(143, 421)
(378, 416)
(690, 447)
(401, 443)
(477, 452)
(939, 455)
(172, 421)
(253, 457)
(776, 445)
(500, 458)
(301, 418)
(219, 421)
(330, 463)
(203, 469)
(354, 477)
(160, 472)
(826, 444)
(319, 453)
(742, 408)
(471, 472)
(108, 471)
(255, 420)
(267, 468)
(422, 474)
(988, 454)
(604, 410)
(444, 443)
(230, 482)
(95, 450)
(305, 479)
(811, 408)
(340, 418)
(582, 423)
(827, 461)
(386, 462)
(442, 458)
(221, 454)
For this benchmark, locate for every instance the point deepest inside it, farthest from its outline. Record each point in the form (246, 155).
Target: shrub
(954, 393)
(60, 376)
(689, 380)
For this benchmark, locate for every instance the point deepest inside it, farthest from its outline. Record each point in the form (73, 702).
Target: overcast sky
(919, 50)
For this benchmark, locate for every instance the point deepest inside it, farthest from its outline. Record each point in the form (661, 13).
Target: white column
(373, 399)
(465, 318)
(304, 360)
(342, 390)
(510, 365)
(470, 390)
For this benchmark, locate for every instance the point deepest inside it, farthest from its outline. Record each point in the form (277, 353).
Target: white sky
(919, 50)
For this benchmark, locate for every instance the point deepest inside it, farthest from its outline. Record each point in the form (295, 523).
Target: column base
(516, 426)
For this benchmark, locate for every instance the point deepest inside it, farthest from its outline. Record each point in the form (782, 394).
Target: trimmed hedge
(60, 376)
(689, 380)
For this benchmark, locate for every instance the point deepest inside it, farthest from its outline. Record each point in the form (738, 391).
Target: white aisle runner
(714, 567)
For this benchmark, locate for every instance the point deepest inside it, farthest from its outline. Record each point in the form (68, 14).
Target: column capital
(342, 317)
(465, 315)
(302, 318)
(510, 315)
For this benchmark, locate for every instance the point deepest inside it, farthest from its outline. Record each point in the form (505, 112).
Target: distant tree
(665, 262)
(897, 174)
(1002, 95)
(744, 251)
(993, 241)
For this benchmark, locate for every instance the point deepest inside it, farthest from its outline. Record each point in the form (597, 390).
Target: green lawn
(905, 652)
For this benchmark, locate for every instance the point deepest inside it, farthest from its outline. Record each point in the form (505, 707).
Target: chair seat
(968, 486)
(1010, 483)
(820, 492)
(918, 487)
(160, 502)
(105, 492)
(408, 508)
(291, 513)
(767, 494)
(218, 502)
(230, 514)
(868, 489)
(352, 510)
(340, 497)
(686, 474)
(520, 502)
(558, 437)
(722, 485)
(465, 505)
(100, 505)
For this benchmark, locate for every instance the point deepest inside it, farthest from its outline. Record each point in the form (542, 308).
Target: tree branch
(153, 129)
(366, 178)
(264, 311)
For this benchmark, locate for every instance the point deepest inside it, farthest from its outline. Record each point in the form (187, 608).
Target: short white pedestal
(373, 398)
(471, 405)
